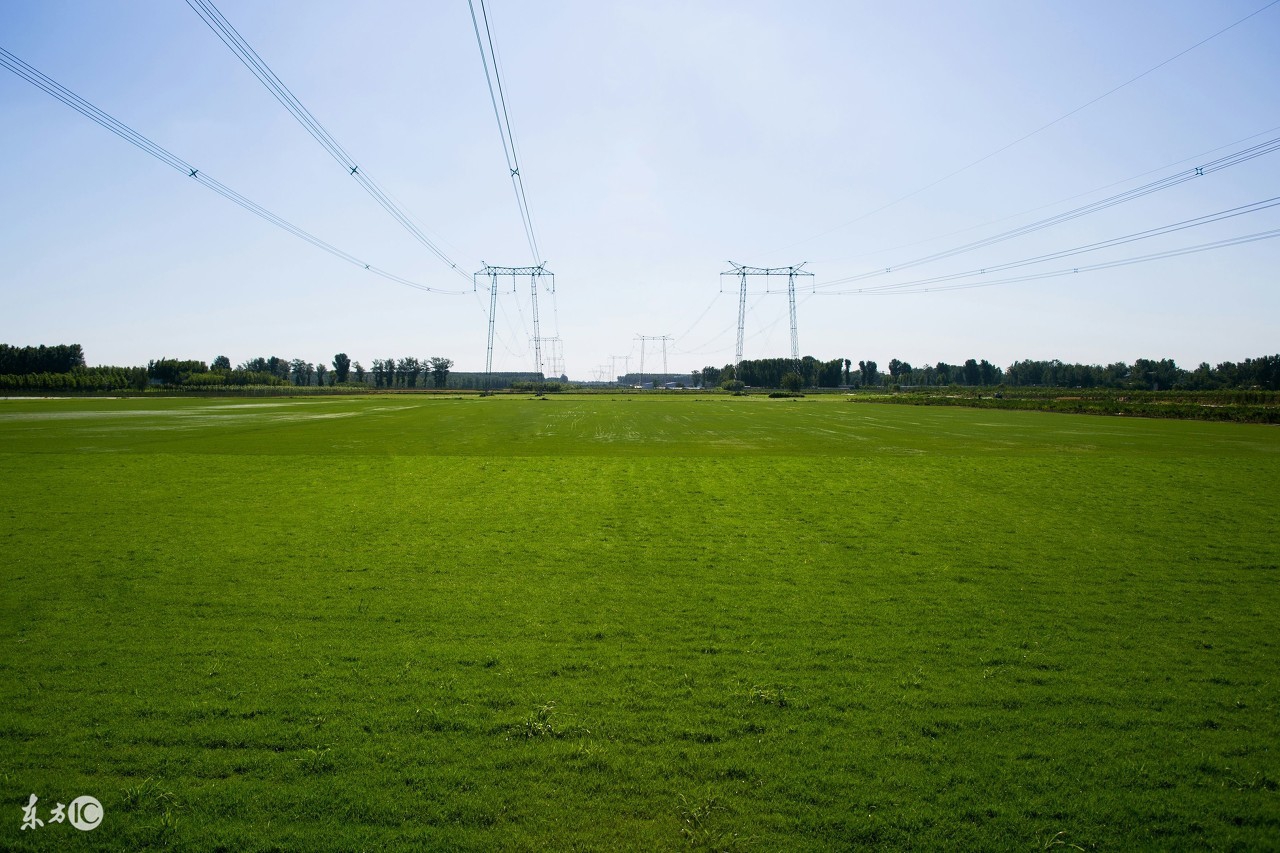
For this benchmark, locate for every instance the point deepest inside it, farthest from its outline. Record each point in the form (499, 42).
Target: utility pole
(742, 272)
(493, 273)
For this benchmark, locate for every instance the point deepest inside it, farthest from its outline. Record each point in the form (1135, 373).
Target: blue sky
(658, 141)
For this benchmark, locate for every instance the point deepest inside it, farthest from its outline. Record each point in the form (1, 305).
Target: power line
(695, 323)
(1155, 256)
(1038, 130)
(88, 110)
(1079, 250)
(1165, 183)
(499, 100)
(1051, 204)
(259, 68)
(709, 347)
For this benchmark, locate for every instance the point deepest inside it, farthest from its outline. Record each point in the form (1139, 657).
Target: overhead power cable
(1242, 156)
(1051, 204)
(1038, 130)
(1140, 259)
(488, 57)
(1079, 250)
(251, 60)
(88, 110)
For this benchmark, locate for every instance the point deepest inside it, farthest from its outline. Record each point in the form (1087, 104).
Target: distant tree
(1115, 375)
(972, 375)
(60, 358)
(341, 366)
(440, 371)
(221, 363)
(792, 382)
(172, 371)
(301, 371)
(321, 370)
(359, 371)
(830, 373)
(848, 365)
(1156, 375)
(409, 368)
(988, 374)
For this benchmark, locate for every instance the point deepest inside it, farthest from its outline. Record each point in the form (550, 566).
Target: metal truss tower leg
(537, 341)
(795, 336)
(742, 318)
(493, 311)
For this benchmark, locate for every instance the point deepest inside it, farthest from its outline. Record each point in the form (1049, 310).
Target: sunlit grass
(637, 623)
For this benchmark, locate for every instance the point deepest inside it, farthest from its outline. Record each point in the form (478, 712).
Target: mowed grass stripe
(594, 426)
(547, 639)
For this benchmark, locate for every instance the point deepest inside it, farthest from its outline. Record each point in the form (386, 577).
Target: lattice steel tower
(742, 272)
(534, 274)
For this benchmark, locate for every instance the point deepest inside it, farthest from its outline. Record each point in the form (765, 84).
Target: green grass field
(650, 622)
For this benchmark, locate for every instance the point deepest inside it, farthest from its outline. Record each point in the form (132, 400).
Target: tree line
(62, 368)
(273, 370)
(809, 372)
(1143, 374)
(406, 372)
(62, 358)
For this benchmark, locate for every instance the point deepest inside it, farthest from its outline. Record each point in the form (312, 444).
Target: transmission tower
(555, 361)
(644, 339)
(493, 273)
(742, 273)
(613, 365)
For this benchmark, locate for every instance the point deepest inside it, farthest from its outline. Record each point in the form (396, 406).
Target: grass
(636, 623)
(1238, 406)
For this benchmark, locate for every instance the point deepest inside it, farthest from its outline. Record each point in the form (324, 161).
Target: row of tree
(62, 358)
(62, 368)
(1144, 374)
(78, 379)
(406, 372)
(809, 372)
(273, 370)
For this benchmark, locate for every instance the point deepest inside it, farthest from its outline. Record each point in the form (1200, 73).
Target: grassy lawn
(649, 622)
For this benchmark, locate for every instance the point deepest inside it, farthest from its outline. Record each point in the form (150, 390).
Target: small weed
(1057, 840)
(316, 761)
(768, 696)
(696, 819)
(144, 795)
(167, 826)
(541, 722)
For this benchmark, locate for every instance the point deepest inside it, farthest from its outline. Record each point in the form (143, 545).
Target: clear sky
(658, 141)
